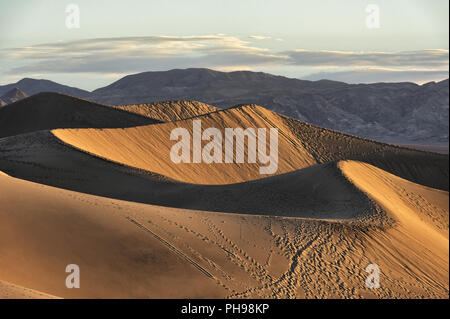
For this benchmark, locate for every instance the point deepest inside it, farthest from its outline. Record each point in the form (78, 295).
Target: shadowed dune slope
(45, 111)
(168, 111)
(126, 249)
(300, 145)
(425, 168)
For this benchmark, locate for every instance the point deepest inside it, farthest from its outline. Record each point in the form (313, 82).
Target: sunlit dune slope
(168, 111)
(149, 147)
(45, 111)
(421, 215)
(126, 249)
(411, 204)
(300, 145)
(11, 291)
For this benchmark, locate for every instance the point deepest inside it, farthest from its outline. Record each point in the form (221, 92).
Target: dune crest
(167, 111)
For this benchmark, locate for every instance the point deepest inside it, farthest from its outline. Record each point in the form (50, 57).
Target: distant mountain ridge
(390, 112)
(35, 86)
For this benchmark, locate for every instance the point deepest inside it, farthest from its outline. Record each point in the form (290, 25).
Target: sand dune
(421, 222)
(116, 259)
(46, 111)
(300, 145)
(168, 111)
(420, 167)
(410, 203)
(126, 249)
(140, 226)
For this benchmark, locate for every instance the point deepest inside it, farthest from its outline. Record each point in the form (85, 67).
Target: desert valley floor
(93, 185)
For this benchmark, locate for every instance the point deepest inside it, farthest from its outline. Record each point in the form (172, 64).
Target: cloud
(131, 54)
(259, 37)
(381, 75)
(404, 59)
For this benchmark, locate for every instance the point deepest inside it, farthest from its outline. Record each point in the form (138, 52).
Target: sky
(89, 44)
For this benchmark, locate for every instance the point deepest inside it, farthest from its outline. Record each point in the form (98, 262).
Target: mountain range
(389, 112)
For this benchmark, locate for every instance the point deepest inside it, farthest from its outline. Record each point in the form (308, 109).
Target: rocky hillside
(12, 96)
